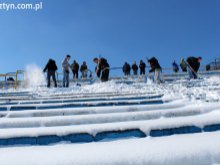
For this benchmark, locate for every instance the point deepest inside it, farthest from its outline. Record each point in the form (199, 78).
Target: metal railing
(12, 78)
(19, 77)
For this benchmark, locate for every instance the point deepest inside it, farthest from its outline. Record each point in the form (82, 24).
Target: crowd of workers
(191, 65)
(102, 69)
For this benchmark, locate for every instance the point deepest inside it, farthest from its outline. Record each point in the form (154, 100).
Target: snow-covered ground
(116, 105)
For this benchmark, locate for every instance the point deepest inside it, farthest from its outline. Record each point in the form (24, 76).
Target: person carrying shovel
(193, 64)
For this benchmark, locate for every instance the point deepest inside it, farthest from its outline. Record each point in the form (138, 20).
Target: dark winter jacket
(134, 67)
(154, 64)
(75, 67)
(142, 66)
(102, 65)
(126, 68)
(83, 68)
(194, 63)
(51, 66)
(175, 67)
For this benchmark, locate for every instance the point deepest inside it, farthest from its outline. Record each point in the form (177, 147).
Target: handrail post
(16, 80)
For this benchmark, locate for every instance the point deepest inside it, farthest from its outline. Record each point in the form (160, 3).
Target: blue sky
(119, 30)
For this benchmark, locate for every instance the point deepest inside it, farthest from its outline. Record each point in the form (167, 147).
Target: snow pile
(34, 75)
(205, 89)
(111, 86)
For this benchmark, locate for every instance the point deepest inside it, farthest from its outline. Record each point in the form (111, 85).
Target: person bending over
(156, 68)
(51, 69)
(102, 68)
(193, 64)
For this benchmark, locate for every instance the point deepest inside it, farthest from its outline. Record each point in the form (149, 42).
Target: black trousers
(105, 75)
(127, 73)
(184, 69)
(142, 72)
(75, 74)
(49, 75)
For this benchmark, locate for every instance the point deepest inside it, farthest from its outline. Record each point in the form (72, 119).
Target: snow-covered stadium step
(10, 98)
(89, 133)
(46, 97)
(103, 118)
(88, 94)
(8, 94)
(73, 138)
(97, 95)
(55, 115)
(200, 120)
(91, 99)
(177, 105)
(81, 104)
(70, 95)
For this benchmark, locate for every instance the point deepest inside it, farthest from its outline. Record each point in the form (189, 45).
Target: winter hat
(95, 59)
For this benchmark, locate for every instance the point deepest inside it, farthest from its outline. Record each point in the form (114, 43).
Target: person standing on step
(193, 64)
(156, 68)
(175, 66)
(84, 70)
(65, 67)
(75, 69)
(126, 69)
(51, 69)
(183, 65)
(142, 67)
(102, 69)
(135, 68)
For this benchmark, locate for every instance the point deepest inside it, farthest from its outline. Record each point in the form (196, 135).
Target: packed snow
(194, 149)
(95, 107)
